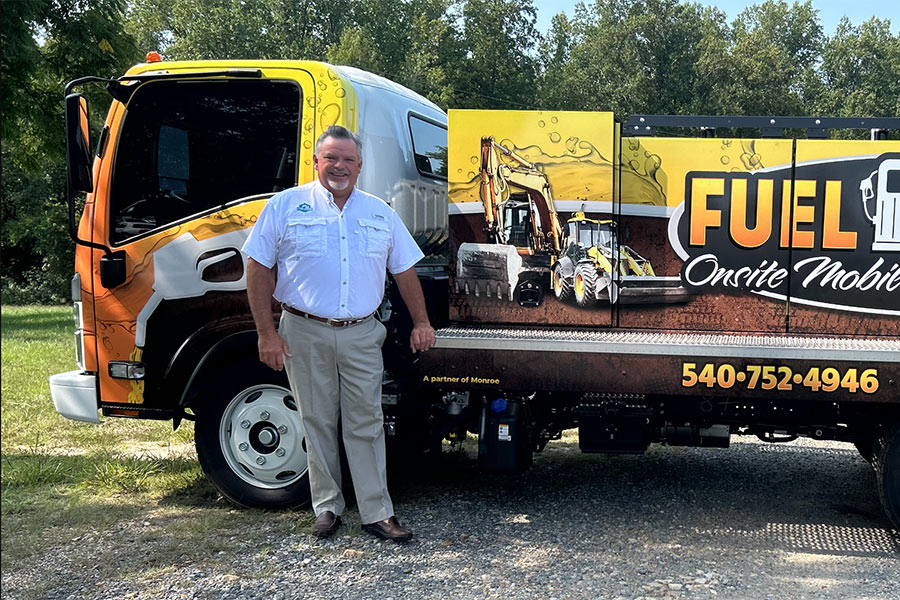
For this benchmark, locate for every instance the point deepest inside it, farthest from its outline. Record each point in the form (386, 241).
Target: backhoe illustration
(594, 266)
(584, 259)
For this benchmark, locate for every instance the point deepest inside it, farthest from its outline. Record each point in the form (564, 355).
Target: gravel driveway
(799, 520)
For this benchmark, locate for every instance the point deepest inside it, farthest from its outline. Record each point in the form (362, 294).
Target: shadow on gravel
(797, 498)
(198, 494)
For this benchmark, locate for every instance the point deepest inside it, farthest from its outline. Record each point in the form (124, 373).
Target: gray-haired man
(331, 244)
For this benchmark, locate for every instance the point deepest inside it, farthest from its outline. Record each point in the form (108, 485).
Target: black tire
(562, 286)
(865, 448)
(244, 422)
(585, 283)
(886, 454)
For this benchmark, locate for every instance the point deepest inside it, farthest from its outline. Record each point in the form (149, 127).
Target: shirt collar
(329, 197)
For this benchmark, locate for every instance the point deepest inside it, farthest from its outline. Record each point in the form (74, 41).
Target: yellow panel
(654, 169)
(574, 149)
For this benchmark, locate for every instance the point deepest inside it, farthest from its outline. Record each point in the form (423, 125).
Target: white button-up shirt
(331, 262)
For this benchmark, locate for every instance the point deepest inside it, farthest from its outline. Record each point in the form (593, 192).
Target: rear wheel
(562, 287)
(249, 439)
(585, 283)
(886, 455)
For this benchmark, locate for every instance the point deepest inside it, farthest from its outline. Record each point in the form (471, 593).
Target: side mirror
(78, 147)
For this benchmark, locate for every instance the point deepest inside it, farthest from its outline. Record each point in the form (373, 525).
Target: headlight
(78, 316)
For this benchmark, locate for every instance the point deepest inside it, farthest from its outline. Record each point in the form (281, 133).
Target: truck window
(189, 147)
(430, 147)
(173, 159)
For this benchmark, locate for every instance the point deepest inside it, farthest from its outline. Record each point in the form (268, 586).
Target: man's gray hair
(339, 133)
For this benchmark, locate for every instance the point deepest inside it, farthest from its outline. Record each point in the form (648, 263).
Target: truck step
(670, 343)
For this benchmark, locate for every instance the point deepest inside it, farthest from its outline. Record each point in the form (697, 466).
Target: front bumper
(75, 395)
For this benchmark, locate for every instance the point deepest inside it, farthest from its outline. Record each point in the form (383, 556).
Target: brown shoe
(326, 524)
(389, 529)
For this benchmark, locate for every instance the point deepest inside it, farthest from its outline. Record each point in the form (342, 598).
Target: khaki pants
(336, 372)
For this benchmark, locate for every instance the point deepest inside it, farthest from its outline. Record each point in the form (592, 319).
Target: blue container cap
(498, 405)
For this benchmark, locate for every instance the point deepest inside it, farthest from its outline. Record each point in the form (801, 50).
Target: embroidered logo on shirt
(305, 207)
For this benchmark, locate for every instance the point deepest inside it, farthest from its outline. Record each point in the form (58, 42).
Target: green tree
(633, 56)
(496, 67)
(44, 44)
(20, 60)
(772, 62)
(555, 50)
(861, 71)
(434, 49)
(408, 41)
(411, 42)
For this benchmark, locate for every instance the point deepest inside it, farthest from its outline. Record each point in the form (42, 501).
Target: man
(330, 245)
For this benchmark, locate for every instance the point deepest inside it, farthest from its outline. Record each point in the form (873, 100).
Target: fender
(565, 263)
(241, 339)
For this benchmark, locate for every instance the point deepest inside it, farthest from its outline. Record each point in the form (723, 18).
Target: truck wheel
(887, 471)
(562, 287)
(249, 439)
(864, 446)
(585, 282)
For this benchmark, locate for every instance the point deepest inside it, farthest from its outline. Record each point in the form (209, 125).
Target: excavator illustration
(521, 223)
(525, 256)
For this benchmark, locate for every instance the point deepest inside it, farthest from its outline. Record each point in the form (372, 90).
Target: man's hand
(273, 349)
(260, 286)
(422, 337)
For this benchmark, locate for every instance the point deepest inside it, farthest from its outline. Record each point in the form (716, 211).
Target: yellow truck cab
(188, 156)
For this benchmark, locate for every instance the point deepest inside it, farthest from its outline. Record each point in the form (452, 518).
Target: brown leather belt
(332, 322)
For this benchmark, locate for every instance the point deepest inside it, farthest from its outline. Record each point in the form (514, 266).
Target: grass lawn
(61, 478)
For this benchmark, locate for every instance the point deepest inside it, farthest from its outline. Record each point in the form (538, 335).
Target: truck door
(193, 162)
(844, 257)
(707, 216)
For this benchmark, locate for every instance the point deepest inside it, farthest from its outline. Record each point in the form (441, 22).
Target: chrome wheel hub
(262, 439)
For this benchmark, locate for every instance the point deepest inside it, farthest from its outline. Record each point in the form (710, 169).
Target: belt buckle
(339, 322)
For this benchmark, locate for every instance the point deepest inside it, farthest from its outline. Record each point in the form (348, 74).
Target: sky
(830, 11)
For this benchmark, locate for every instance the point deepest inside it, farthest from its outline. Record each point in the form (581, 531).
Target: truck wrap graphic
(562, 221)
(804, 224)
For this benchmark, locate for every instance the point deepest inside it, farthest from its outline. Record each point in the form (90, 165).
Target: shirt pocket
(307, 235)
(375, 241)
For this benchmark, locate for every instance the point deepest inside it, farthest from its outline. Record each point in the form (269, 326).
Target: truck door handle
(222, 265)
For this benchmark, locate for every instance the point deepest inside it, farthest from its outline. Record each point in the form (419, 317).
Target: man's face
(338, 164)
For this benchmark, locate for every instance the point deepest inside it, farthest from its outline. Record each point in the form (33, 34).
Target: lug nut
(243, 446)
(279, 452)
(282, 429)
(260, 460)
(264, 415)
(245, 424)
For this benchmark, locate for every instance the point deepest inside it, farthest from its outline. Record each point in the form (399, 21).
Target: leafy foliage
(44, 44)
(628, 56)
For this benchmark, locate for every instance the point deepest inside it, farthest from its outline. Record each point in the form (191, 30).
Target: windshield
(188, 147)
(516, 223)
(589, 234)
(606, 236)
